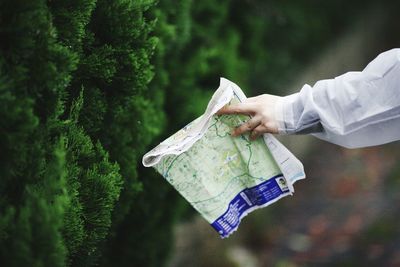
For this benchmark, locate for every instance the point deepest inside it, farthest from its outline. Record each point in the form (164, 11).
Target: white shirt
(356, 109)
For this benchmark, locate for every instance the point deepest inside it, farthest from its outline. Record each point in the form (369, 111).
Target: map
(222, 177)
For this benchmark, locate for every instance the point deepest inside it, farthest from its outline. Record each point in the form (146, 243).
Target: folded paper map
(224, 177)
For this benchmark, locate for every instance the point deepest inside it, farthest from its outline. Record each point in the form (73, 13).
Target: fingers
(247, 126)
(261, 109)
(241, 108)
(263, 128)
(259, 130)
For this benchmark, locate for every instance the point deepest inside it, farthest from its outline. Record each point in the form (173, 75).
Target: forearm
(350, 109)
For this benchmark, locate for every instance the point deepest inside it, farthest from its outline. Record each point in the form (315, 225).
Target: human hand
(262, 111)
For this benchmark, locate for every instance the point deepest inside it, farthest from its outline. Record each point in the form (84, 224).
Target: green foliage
(31, 230)
(34, 70)
(58, 189)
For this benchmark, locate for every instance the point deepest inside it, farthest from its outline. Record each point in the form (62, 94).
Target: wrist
(279, 115)
(284, 113)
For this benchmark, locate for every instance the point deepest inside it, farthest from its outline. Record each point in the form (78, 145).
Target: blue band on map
(247, 200)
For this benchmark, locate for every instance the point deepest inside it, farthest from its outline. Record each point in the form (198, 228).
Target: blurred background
(87, 87)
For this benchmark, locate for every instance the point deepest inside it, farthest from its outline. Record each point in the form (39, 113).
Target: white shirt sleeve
(356, 109)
